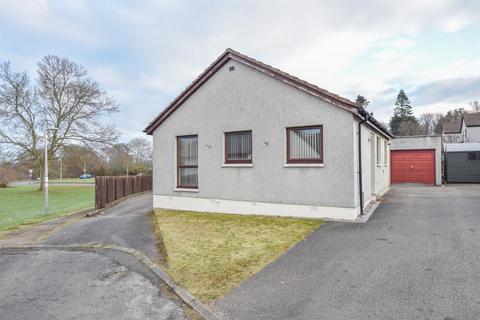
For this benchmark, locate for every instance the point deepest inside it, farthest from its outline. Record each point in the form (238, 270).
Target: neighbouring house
(472, 127)
(247, 138)
(465, 130)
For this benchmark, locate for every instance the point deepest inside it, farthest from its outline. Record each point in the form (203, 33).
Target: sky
(144, 53)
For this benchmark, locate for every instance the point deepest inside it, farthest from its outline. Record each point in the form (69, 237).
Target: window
(385, 155)
(305, 144)
(238, 147)
(187, 162)
(379, 151)
(474, 156)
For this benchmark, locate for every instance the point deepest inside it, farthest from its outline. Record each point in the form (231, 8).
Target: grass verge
(210, 254)
(21, 205)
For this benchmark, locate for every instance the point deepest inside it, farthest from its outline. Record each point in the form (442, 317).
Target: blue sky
(145, 52)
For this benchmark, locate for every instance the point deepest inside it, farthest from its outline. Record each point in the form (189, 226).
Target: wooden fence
(111, 188)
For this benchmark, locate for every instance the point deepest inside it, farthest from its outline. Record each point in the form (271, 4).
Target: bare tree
(141, 150)
(427, 123)
(64, 98)
(475, 106)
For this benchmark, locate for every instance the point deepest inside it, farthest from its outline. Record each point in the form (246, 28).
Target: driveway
(128, 224)
(44, 285)
(418, 257)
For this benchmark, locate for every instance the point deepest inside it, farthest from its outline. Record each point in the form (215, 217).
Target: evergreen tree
(403, 109)
(362, 101)
(403, 113)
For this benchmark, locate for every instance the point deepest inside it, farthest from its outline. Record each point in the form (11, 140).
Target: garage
(462, 163)
(413, 166)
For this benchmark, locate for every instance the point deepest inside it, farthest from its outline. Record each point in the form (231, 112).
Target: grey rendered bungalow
(247, 138)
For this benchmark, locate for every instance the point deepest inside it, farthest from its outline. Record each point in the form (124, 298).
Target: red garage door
(413, 166)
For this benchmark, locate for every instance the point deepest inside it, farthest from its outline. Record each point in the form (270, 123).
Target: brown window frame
(179, 166)
(305, 160)
(225, 159)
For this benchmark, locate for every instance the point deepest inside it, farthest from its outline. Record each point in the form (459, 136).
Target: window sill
(185, 190)
(237, 165)
(379, 165)
(303, 165)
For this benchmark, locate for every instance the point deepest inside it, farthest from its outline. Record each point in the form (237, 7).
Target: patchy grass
(209, 254)
(21, 205)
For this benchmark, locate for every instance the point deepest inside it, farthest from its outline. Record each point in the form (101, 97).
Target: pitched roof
(452, 127)
(230, 54)
(472, 119)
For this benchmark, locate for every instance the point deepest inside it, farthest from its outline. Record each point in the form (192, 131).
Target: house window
(473, 156)
(187, 162)
(238, 147)
(379, 151)
(305, 144)
(385, 154)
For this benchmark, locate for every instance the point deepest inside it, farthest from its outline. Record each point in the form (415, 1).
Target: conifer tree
(362, 101)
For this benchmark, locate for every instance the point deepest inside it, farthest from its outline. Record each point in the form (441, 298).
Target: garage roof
(459, 147)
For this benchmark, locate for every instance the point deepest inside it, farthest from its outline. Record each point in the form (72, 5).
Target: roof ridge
(269, 70)
(325, 91)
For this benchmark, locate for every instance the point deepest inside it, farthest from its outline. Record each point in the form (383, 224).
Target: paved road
(128, 224)
(418, 257)
(47, 285)
(51, 183)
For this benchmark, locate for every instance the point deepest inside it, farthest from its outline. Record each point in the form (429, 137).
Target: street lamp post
(46, 168)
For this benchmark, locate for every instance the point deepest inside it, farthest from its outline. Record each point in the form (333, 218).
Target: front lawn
(24, 204)
(210, 254)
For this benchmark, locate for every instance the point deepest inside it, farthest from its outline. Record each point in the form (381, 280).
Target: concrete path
(45, 285)
(128, 224)
(418, 257)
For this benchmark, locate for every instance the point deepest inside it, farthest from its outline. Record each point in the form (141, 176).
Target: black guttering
(364, 116)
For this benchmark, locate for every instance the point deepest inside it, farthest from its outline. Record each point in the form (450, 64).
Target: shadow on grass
(160, 244)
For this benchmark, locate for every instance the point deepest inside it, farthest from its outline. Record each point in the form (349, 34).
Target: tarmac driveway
(52, 284)
(128, 224)
(418, 257)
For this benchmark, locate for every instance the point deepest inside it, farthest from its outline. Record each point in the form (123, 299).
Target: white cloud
(367, 47)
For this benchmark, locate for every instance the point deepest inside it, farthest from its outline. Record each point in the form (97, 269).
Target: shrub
(7, 174)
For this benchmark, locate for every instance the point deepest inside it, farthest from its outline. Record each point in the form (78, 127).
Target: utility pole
(127, 170)
(84, 167)
(45, 187)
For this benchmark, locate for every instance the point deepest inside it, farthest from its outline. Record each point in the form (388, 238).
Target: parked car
(86, 176)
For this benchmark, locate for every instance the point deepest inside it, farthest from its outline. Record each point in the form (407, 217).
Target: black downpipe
(360, 182)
